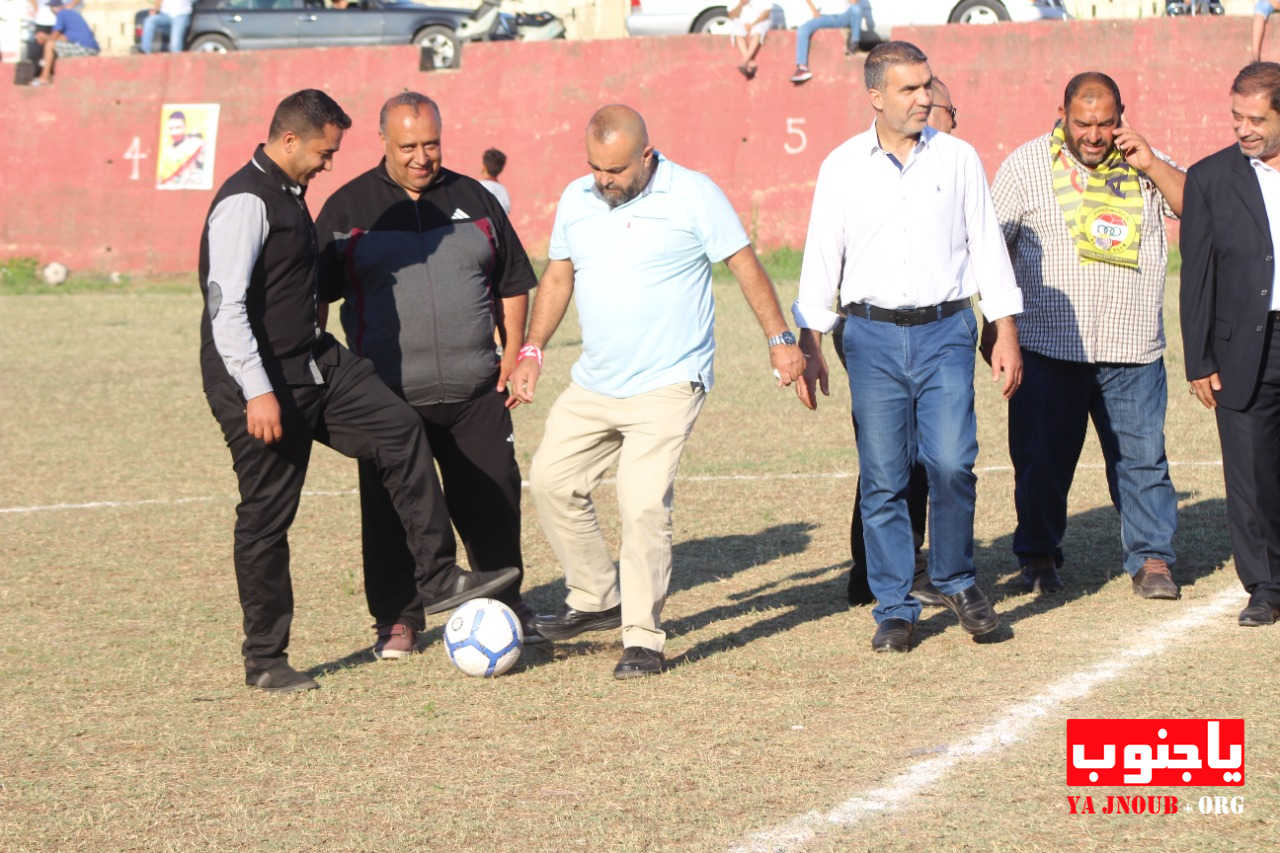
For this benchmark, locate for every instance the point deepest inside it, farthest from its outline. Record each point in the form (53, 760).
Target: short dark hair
(1257, 77)
(494, 161)
(177, 114)
(416, 100)
(307, 113)
(888, 53)
(1085, 78)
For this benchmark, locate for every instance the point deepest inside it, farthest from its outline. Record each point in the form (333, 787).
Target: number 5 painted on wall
(135, 153)
(795, 128)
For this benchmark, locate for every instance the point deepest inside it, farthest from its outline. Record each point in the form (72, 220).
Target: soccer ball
(483, 637)
(54, 273)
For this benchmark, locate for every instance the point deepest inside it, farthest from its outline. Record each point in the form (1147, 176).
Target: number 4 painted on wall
(135, 153)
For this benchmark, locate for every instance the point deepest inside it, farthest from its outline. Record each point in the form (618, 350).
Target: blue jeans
(912, 390)
(1047, 422)
(176, 24)
(851, 18)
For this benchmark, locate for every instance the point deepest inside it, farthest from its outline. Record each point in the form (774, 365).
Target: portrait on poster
(188, 140)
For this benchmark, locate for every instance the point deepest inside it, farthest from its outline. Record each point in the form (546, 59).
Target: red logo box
(1155, 752)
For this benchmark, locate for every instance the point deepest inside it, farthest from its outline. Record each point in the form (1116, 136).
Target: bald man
(942, 114)
(633, 244)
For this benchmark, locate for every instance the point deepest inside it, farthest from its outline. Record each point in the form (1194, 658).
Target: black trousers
(1251, 466)
(357, 415)
(473, 443)
(917, 507)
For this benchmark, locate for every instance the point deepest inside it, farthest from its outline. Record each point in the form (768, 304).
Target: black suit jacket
(1228, 264)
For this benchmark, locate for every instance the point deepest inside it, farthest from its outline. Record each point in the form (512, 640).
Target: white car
(674, 17)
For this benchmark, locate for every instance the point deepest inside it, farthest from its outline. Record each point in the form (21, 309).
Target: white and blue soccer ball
(483, 637)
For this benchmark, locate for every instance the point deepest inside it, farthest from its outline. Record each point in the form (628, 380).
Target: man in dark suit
(1231, 324)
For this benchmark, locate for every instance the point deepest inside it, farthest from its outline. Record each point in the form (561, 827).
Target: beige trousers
(585, 434)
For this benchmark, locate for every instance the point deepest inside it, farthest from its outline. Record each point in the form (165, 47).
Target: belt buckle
(906, 316)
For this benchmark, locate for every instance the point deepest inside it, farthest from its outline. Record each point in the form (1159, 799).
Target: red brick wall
(70, 194)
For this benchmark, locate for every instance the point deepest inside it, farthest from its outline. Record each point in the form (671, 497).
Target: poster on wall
(188, 140)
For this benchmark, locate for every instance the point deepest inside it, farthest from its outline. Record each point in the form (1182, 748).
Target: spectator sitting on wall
(71, 36)
(827, 15)
(1261, 12)
(42, 19)
(492, 162)
(749, 20)
(173, 15)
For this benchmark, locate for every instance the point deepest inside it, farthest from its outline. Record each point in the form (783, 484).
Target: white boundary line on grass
(699, 478)
(1012, 727)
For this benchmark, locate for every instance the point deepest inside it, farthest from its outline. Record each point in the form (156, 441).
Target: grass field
(124, 724)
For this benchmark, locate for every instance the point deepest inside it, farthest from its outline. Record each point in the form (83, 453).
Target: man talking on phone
(1082, 208)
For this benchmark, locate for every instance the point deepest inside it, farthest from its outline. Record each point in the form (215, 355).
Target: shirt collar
(386, 178)
(659, 181)
(873, 142)
(1260, 166)
(269, 167)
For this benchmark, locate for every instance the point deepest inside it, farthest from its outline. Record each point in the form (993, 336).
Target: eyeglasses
(951, 110)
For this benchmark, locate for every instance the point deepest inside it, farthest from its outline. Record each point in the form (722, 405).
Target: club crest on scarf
(1102, 206)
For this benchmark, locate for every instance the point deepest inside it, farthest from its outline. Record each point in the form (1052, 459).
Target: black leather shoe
(637, 662)
(528, 625)
(1040, 573)
(975, 613)
(893, 635)
(278, 678)
(1259, 612)
(570, 623)
(468, 585)
(923, 591)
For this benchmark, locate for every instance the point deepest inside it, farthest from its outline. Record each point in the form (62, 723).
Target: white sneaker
(802, 74)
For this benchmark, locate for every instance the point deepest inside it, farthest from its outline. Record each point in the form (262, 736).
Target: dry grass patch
(126, 727)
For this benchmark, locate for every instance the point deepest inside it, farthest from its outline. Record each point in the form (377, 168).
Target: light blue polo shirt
(642, 279)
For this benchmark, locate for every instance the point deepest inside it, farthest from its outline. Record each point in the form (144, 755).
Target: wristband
(529, 351)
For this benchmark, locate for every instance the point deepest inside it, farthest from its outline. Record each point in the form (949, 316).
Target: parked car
(673, 17)
(218, 26)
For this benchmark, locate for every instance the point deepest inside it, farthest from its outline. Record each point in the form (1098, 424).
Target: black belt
(906, 316)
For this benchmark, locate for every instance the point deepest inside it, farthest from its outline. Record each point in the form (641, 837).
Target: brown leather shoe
(1153, 580)
(394, 641)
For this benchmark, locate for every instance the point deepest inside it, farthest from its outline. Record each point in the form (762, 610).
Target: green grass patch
(22, 277)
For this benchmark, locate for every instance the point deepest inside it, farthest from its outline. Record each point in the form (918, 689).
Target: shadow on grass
(798, 604)
(697, 562)
(1093, 558)
(363, 656)
(700, 561)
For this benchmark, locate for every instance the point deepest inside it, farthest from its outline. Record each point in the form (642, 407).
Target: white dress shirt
(907, 237)
(1269, 183)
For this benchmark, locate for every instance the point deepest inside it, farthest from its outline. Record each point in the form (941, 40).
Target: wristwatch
(784, 338)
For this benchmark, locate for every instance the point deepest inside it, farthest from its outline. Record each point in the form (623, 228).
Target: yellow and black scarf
(1102, 206)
